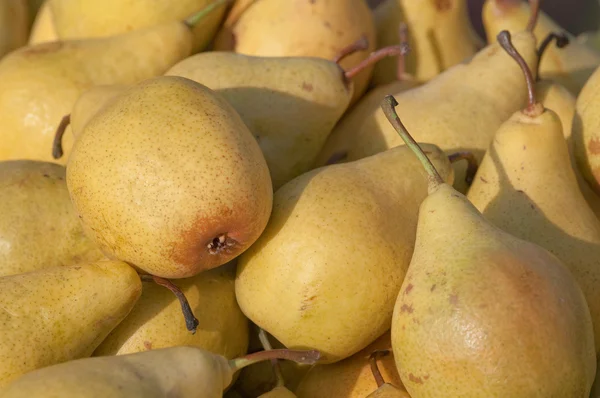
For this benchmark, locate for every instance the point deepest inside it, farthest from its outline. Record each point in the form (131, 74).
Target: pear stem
(562, 40)
(57, 149)
(307, 357)
(401, 66)
(434, 179)
(374, 57)
(472, 164)
(534, 6)
(197, 17)
(360, 45)
(264, 340)
(533, 108)
(374, 368)
(191, 322)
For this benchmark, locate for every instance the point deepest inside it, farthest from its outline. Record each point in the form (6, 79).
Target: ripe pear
(440, 31)
(570, 66)
(335, 297)
(39, 84)
(270, 28)
(156, 321)
(350, 378)
(290, 104)
(183, 372)
(168, 178)
(479, 308)
(526, 186)
(14, 25)
(83, 19)
(38, 224)
(57, 314)
(43, 29)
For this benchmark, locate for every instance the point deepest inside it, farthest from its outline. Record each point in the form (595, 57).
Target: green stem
(434, 179)
(264, 339)
(197, 17)
(307, 357)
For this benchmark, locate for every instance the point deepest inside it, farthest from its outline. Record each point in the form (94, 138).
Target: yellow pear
(39, 84)
(570, 66)
(43, 29)
(440, 31)
(172, 201)
(38, 224)
(156, 322)
(482, 313)
(182, 372)
(82, 19)
(58, 314)
(335, 297)
(14, 25)
(270, 28)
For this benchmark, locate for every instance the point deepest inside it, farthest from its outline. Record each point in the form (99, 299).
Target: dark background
(576, 16)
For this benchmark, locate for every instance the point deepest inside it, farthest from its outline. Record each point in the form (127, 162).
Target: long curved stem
(374, 57)
(57, 149)
(374, 368)
(307, 357)
(361, 44)
(472, 164)
(562, 40)
(401, 65)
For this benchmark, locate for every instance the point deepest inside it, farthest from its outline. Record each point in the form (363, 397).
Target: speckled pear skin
(168, 178)
(90, 102)
(388, 391)
(39, 227)
(482, 313)
(58, 314)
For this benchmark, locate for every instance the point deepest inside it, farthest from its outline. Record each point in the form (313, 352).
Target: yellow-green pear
(168, 178)
(271, 28)
(290, 104)
(482, 313)
(335, 295)
(182, 372)
(14, 25)
(39, 227)
(156, 322)
(440, 31)
(43, 29)
(83, 19)
(39, 84)
(570, 66)
(57, 314)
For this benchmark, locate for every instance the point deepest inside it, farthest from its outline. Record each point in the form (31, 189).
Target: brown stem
(361, 44)
(57, 149)
(401, 66)
(534, 6)
(307, 357)
(472, 164)
(264, 340)
(562, 40)
(533, 108)
(191, 322)
(374, 57)
(374, 368)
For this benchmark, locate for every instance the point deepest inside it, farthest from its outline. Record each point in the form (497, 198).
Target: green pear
(335, 297)
(183, 372)
(43, 29)
(57, 314)
(39, 84)
(156, 321)
(14, 25)
(38, 224)
(167, 177)
(483, 313)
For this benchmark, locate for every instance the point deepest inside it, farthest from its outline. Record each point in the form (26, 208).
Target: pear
(352, 377)
(441, 36)
(57, 314)
(83, 19)
(483, 313)
(570, 66)
(270, 28)
(39, 84)
(38, 224)
(43, 29)
(181, 372)
(156, 322)
(14, 25)
(168, 178)
(328, 266)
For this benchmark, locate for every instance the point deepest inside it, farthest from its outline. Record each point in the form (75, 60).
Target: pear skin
(43, 29)
(335, 298)
(58, 314)
(39, 227)
(290, 104)
(90, 102)
(14, 25)
(171, 201)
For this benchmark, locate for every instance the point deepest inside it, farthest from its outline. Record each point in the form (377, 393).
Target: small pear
(58, 314)
(156, 322)
(270, 28)
(570, 66)
(168, 178)
(183, 372)
(43, 29)
(39, 227)
(14, 25)
(335, 297)
(483, 313)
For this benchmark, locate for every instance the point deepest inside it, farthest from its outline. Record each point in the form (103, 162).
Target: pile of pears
(297, 198)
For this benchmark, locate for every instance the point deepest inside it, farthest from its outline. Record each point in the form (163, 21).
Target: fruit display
(298, 198)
